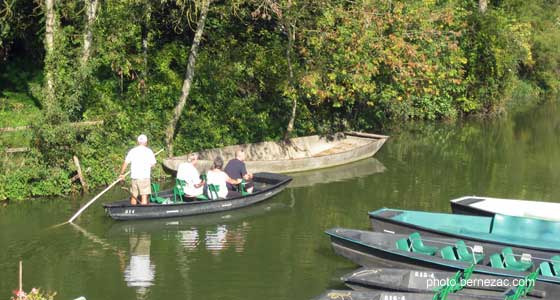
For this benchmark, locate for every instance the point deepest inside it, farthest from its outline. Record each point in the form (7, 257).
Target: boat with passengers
(172, 203)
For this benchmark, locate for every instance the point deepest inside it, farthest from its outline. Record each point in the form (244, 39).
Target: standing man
(236, 169)
(141, 160)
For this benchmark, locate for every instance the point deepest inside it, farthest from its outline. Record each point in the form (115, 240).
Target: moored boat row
(414, 255)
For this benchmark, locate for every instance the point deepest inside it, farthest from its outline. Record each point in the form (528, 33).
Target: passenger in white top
(217, 177)
(141, 160)
(187, 171)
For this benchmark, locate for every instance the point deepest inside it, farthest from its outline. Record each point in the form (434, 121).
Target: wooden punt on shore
(296, 155)
(487, 206)
(417, 281)
(267, 185)
(376, 249)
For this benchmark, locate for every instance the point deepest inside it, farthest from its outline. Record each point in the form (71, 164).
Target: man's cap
(142, 138)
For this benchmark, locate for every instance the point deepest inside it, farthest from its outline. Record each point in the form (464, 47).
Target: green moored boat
(524, 233)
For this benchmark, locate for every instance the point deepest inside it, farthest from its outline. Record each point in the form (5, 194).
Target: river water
(277, 250)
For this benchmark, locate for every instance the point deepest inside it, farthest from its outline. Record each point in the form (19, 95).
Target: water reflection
(186, 225)
(140, 271)
(189, 239)
(223, 236)
(346, 172)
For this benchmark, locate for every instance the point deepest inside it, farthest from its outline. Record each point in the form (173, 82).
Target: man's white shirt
(141, 160)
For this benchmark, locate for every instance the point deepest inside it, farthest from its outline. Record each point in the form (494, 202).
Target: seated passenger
(215, 176)
(187, 171)
(236, 169)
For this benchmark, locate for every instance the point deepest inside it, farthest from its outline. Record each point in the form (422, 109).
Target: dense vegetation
(265, 70)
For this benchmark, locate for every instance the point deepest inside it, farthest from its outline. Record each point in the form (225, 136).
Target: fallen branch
(16, 150)
(77, 124)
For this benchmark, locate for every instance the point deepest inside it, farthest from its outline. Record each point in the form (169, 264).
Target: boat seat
(512, 263)
(545, 269)
(241, 188)
(448, 253)
(178, 190)
(213, 190)
(464, 255)
(154, 197)
(418, 245)
(496, 261)
(403, 245)
(556, 264)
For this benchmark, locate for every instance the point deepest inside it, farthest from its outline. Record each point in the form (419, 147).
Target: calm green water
(277, 250)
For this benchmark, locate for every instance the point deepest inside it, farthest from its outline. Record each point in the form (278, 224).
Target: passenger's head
(192, 158)
(218, 163)
(240, 154)
(142, 140)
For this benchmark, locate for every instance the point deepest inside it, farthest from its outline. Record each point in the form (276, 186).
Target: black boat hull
(416, 281)
(123, 210)
(385, 295)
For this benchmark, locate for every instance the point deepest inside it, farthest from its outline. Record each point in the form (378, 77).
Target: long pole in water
(99, 195)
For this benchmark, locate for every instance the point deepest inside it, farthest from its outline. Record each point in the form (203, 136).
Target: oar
(98, 195)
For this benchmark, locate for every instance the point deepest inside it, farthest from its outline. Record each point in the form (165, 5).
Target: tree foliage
(349, 65)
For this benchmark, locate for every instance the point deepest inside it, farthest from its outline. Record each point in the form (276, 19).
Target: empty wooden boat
(527, 233)
(487, 206)
(297, 154)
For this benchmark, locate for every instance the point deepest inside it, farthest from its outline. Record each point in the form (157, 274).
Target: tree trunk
(170, 131)
(50, 28)
(91, 14)
(291, 38)
(482, 5)
(145, 43)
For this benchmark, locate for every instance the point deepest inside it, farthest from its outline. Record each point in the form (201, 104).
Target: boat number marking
(393, 297)
(423, 274)
(388, 231)
(129, 211)
(172, 211)
(226, 205)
